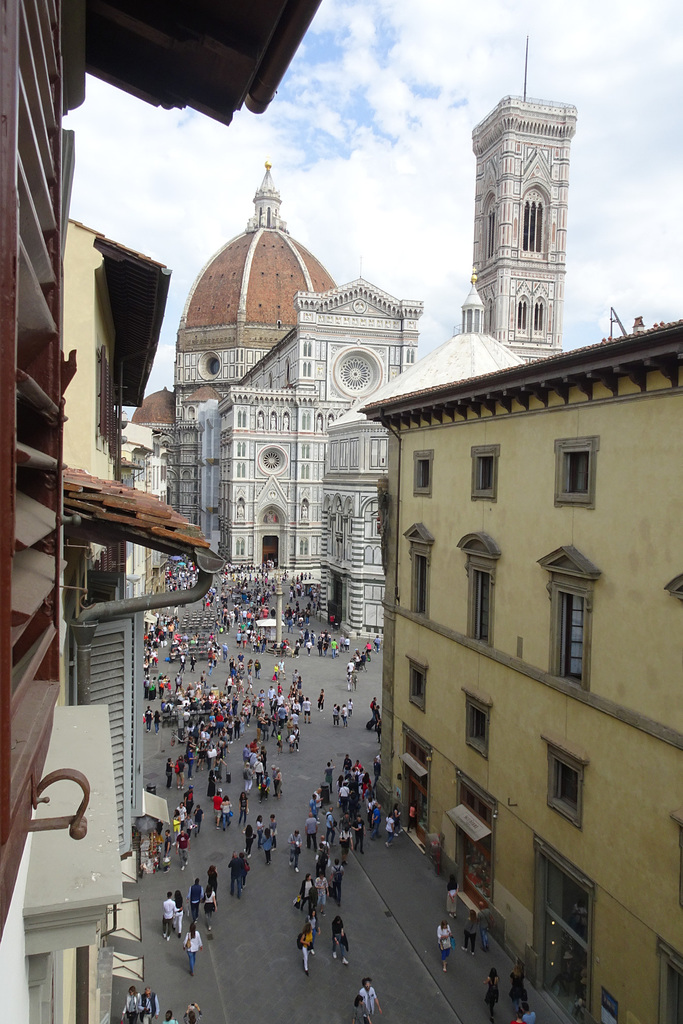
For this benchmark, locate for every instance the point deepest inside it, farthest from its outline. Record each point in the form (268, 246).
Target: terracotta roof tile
(146, 520)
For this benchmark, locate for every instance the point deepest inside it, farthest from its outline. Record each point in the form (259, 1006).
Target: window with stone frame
(417, 681)
(566, 766)
(477, 717)
(570, 589)
(482, 555)
(422, 472)
(575, 471)
(485, 472)
(420, 540)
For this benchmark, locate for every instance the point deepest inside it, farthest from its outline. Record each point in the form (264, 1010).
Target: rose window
(355, 373)
(272, 460)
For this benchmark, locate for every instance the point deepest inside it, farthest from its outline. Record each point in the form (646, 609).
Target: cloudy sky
(370, 141)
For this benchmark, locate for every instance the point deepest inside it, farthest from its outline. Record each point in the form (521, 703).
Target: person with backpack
(336, 878)
(491, 997)
(304, 942)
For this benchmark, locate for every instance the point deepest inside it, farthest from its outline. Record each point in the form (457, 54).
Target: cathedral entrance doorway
(270, 550)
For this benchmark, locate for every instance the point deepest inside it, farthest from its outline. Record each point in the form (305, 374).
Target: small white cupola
(473, 309)
(267, 205)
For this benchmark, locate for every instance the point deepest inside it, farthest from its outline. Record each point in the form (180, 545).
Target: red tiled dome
(204, 394)
(279, 268)
(156, 408)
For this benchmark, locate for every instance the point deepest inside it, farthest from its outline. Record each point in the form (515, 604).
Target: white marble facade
(348, 342)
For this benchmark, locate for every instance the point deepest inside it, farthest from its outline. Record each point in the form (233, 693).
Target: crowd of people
(262, 719)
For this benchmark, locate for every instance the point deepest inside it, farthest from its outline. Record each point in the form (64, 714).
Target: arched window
(306, 420)
(305, 451)
(268, 216)
(307, 348)
(468, 321)
(490, 325)
(521, 315)
(532, 240)
(538, 316)
(287, 373)
(303, 547)
(305, 473)
(491, 233)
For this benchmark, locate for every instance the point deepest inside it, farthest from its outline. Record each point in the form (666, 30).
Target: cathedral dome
(158, 408)
(205, 393)
(253, 279)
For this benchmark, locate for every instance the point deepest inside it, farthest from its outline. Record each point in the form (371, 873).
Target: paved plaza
(250, 970)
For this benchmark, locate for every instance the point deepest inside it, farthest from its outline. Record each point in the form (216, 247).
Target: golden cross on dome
(268, 165)
(473, 279)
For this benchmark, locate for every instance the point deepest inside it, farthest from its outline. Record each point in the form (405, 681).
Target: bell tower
(520, 221)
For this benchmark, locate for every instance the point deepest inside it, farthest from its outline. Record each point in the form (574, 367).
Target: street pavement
(250, 969)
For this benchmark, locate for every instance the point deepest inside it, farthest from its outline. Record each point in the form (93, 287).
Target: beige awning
(414, 765)
(128, 869)
(155, 806)
(474, 827)
(132, 968)
(123, 919)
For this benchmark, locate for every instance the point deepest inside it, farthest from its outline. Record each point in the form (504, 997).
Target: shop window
(575, 471)
(482, 554)
(572, 579)
(478, 877)
(422, 481)
(485, 472)
(418, 682)
(671, 984)
(566, 926)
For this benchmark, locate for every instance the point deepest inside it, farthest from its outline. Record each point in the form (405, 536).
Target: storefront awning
(132, 968)
(123, 919)
(128, 869)
(474, 827)
(414, 765)
(155, 807)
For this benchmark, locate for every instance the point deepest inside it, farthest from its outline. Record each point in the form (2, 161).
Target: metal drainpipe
(85, 626)
(398, 437)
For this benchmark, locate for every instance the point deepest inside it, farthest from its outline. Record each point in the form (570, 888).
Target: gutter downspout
(85, 626)
(397, 435)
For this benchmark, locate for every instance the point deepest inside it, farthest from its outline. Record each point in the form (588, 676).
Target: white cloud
(370, 138)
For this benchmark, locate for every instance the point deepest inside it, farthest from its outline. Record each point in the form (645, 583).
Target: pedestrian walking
(249, 837)
(307, 893)
(267, 844)
(169, 773)
(148, 1006)
(130, 1007)
(340, 943)
(312, 920)
(359, 1014)
(389, 827)
(358, 829)
(178, 915)
(322, 889)
(311, 830)
(244, 808)
(517, 990)
(470, 932)
(336, 878)
(443, 937)
(195, 896)
(182, 845)
(192, 945)
(304, 942)
(210, 906)
(485, 922)
(294, 849)
(272, 825)
(491, 997)
(452, 897)
(236, 866)
(369, 997)
(167, 915)
(212, 877)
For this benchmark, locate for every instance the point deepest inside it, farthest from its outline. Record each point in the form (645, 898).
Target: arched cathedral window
(491, 233)
(532, 240)
(538, 316)
(521, 315)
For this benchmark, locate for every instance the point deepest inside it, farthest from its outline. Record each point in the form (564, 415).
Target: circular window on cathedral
(272, 460)
(209, 365)
(357, 373)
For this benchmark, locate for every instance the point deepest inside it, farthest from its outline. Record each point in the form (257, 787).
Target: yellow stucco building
(532, 693)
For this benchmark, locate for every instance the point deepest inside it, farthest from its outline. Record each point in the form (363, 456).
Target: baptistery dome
(243, 298)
